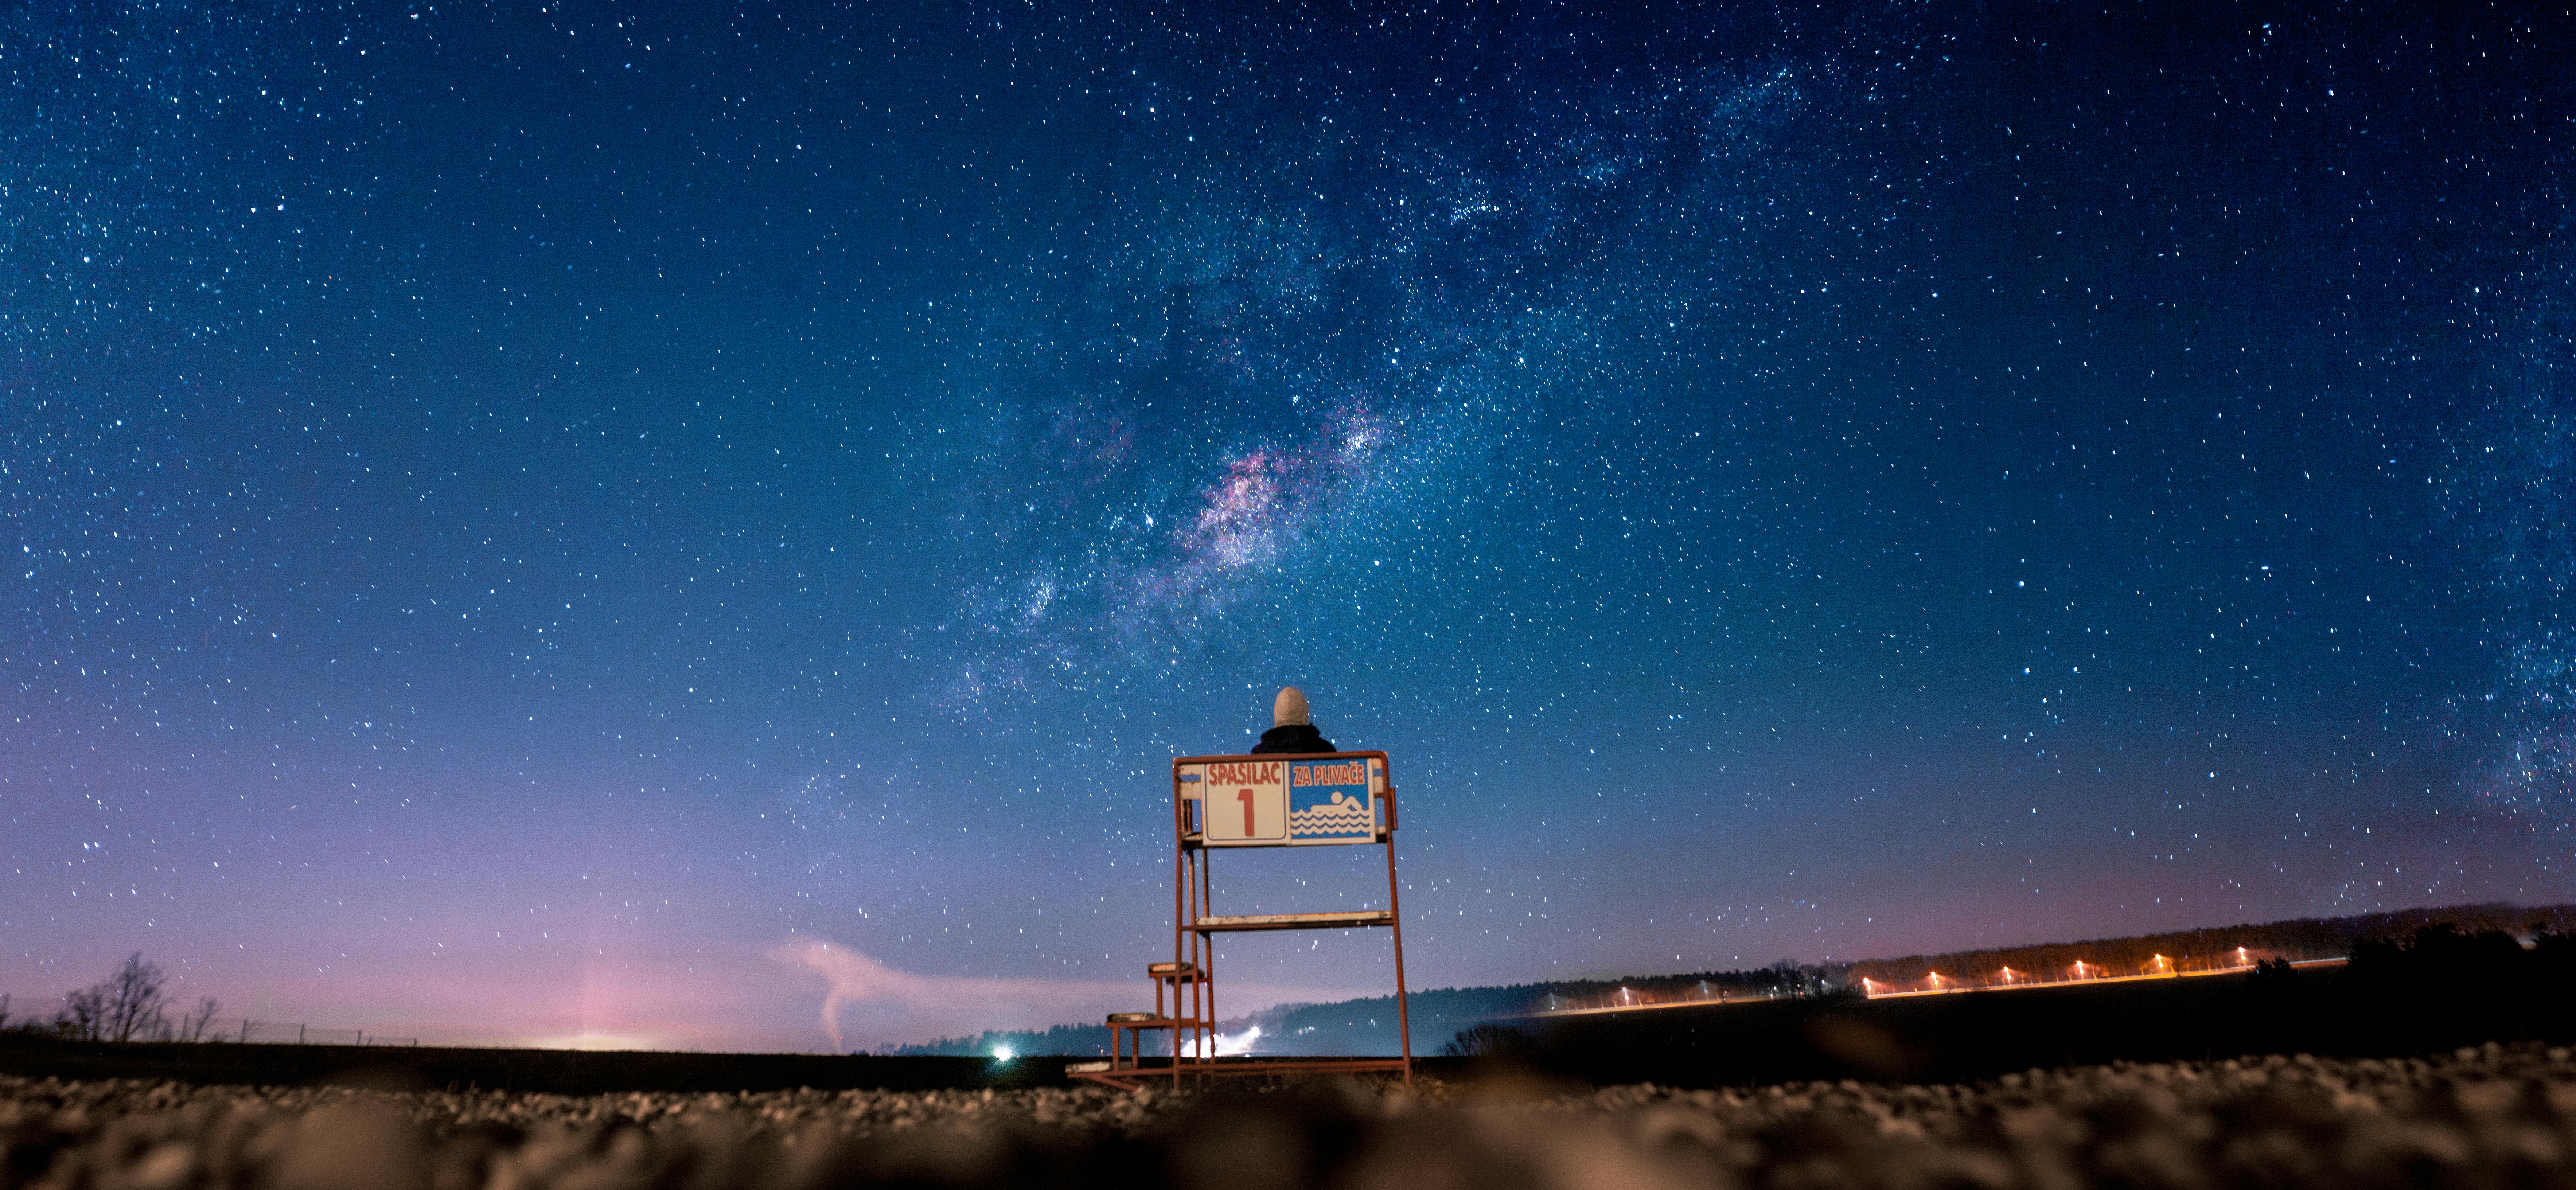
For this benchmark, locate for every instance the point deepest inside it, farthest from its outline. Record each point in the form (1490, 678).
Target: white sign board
(1261, 801)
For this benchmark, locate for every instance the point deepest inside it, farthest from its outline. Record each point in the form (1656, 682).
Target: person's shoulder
(1294, 739)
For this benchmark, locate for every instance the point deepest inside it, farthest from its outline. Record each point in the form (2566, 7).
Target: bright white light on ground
(1002, 1053)
(1228, 1045)
(592, 1040)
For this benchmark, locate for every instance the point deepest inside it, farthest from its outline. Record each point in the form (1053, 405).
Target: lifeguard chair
(1219, 802)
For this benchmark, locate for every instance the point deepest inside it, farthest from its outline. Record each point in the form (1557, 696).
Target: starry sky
(651, 524)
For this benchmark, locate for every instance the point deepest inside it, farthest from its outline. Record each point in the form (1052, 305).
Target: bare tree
(194, 1022)
(126, 1006)
(136, 1000)
(84, 1013)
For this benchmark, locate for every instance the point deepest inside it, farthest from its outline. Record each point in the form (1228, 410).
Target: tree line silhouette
(2437, 988)
(131, 1004)
(1367, 1025)
(2296, 940)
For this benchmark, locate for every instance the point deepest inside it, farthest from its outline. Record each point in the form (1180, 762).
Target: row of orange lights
(1626, 997)
(2157, 965)
(2079, 970)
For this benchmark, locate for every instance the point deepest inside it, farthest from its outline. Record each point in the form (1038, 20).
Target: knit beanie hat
(1290, 708)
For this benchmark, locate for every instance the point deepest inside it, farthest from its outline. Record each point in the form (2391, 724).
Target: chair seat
(1135, 1018)
(1172, 970)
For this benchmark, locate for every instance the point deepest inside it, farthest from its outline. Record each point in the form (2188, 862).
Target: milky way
(522, 512)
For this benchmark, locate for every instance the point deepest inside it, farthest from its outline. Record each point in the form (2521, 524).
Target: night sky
(589, 522)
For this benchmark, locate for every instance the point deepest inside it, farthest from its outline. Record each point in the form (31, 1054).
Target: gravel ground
(2498, 1116)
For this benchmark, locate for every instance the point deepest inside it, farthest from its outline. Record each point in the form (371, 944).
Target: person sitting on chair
(1295, 733)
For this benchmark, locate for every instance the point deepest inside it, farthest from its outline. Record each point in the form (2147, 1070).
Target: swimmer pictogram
(1344, 815)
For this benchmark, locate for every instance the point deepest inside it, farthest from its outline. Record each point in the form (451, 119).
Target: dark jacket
(1293, 739)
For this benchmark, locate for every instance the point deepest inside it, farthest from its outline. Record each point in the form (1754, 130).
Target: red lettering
(1243, 774)
(1347, 772)
(1246, 798)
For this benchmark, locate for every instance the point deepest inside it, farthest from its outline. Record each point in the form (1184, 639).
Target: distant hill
(1367, 1026)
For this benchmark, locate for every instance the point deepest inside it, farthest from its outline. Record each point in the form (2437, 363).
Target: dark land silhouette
(2440, 989)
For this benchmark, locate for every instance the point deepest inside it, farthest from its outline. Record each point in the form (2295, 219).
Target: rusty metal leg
(1403, 1010)
(1184, 886)
(1207, 1023)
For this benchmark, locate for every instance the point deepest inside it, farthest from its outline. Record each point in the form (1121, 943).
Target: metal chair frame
(1194, 930)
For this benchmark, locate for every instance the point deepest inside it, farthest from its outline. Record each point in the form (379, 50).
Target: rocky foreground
(2497, 1116)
